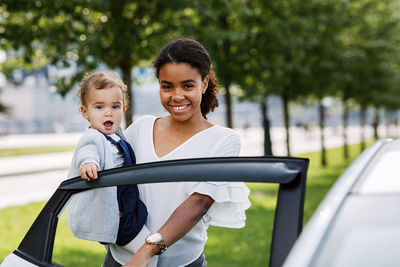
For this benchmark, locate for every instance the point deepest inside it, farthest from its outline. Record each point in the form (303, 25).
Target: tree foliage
(85, 35)
(294, 49)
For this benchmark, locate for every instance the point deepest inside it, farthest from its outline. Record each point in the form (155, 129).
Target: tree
(325, 20)
(4, 109)
(369, 59)
(273, 62)
(85, 35)
(218, 26)
(288, 58)
(258, 71)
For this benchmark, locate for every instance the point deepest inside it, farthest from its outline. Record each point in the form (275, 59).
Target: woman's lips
(180, 108)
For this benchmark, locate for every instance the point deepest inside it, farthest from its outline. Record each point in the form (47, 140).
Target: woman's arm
(184, 218)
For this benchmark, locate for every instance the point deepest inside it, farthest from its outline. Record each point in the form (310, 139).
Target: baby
(112, 214)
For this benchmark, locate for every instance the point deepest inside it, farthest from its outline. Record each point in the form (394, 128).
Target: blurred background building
(36, 107)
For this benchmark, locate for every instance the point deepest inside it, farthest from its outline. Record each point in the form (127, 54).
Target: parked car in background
(358, 222)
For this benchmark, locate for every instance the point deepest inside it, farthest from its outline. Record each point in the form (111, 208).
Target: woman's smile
(180, 109)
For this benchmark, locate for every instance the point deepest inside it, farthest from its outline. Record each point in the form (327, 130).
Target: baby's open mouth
(108, 124)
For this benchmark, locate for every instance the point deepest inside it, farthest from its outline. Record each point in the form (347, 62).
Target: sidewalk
(35, 140)
(25, 179)
(34, 163)
(252, 145)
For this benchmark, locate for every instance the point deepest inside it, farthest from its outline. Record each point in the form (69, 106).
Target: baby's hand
(89, 171)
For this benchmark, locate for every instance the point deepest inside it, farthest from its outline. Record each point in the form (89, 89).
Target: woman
(179, 213)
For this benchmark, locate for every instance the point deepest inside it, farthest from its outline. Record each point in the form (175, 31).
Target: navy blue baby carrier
(133, 212)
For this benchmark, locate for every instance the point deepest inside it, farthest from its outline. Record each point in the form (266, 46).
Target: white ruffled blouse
(231, 198)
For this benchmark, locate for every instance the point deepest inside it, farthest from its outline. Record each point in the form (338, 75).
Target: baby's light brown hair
(101, 80)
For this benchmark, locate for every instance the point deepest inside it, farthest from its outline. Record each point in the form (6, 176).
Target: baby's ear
(123, 108)
(84, 112)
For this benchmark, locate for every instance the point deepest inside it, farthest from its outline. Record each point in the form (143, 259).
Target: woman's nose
(178, 94)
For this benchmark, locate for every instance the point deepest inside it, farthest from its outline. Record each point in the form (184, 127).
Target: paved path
(23, 189)
(34, 178)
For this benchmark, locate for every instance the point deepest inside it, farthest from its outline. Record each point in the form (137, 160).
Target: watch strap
(160, 243)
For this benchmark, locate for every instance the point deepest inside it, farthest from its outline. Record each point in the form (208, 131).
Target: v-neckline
(176, 148)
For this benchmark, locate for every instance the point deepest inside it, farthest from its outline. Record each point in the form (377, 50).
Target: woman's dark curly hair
(189, 51)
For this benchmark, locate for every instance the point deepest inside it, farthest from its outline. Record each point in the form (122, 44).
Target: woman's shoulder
(222, 131)
(141, 126)
(146, 119)
(223, 139)
(141, 121)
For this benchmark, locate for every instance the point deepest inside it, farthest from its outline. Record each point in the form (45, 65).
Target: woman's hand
(181, 221)
(142, 257)
(136, 261)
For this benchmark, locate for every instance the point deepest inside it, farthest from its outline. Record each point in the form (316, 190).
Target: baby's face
(104, 109)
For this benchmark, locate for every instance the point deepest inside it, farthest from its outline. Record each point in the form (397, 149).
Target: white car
(358, 222)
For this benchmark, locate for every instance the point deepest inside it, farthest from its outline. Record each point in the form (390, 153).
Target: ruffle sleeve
(231, 202)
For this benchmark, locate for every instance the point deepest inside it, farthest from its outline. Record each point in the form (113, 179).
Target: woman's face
(181, 90)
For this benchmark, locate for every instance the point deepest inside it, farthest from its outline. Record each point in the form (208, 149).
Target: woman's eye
(166, 87)
(186, 86)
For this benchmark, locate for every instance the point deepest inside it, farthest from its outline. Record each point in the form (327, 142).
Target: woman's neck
(188, 127)
(168, 134)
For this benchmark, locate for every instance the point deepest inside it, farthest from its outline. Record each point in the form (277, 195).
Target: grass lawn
(248, 246)
(11, 152)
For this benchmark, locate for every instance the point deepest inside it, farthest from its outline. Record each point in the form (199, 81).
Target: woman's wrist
(151, 249)
(142, 257)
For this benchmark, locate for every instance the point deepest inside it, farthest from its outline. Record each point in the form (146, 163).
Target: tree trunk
(266, 127)
(397, 123)
(127, 79)
(387, 124)
(375, 122)
(393, 124)
(321, 111)
(345, 121)
(285, 102)
(362, 126)
(228, 105)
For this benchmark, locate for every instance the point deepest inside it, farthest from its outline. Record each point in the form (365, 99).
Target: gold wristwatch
(157, 239)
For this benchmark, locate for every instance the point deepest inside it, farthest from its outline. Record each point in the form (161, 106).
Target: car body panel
(366, 232)
(16, 261)
(358, 213)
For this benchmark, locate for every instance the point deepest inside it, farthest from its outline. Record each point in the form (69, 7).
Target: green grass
(12, 152)
(248, 246)
(68, 250)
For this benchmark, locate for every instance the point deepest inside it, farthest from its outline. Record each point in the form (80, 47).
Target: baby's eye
(116, 106)
(98, 107)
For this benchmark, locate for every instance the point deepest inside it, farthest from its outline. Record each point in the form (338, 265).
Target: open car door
(36, 249)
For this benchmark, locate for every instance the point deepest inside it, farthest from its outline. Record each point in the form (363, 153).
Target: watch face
(154, 238)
